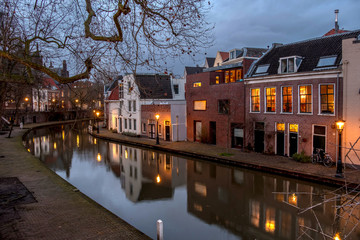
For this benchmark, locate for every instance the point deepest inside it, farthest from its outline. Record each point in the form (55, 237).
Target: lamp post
(339, 169)
(97, 120)
(157, 116)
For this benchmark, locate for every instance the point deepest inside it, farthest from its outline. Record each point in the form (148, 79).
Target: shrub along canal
(195, 199)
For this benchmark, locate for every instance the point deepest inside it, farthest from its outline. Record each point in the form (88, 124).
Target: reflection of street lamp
(337, 236)
(339, 169)
(157, 116)
(97, 115)
(98, 157)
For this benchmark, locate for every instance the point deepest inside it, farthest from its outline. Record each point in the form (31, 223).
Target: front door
(120, 124)
(213, 133)
(167, 133)
(197, 131)
(152, 131)
(280, 143)
(293, 142)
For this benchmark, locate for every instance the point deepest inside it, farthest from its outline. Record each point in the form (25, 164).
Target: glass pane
(326, 61)
(291, 65)
(320, 130)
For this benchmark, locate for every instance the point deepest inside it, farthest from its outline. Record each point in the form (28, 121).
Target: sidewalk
(51, 208)
(270, 163)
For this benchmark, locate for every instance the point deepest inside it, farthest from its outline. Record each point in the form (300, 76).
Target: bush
(301, 157)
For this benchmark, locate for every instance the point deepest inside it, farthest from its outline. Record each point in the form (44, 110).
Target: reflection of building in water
(146, 175)
(41, 145)
(256, 205)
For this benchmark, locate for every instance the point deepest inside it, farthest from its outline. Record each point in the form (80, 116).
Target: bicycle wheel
(328, 162)
(314, 158)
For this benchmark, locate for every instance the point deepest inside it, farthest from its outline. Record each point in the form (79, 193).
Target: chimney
(336, 21)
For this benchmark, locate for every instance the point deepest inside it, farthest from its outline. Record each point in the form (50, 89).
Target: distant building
(133, 104)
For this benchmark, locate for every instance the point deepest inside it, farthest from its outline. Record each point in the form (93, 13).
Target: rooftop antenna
(336, 21)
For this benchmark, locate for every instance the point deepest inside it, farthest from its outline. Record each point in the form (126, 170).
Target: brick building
(215, 99)
(294, 97)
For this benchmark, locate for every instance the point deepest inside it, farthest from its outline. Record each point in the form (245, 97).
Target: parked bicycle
(320, 156)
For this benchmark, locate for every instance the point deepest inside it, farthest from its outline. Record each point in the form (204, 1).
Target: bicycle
(320, 156)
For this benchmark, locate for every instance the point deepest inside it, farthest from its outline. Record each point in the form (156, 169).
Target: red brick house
(215, 100)
(294, 97)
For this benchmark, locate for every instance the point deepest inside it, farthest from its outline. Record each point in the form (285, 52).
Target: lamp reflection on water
(158, 179)
(54, 145)
(98, 157)
(293, 199)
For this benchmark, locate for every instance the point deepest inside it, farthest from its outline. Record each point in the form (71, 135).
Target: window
(319, 137)
(280, 127)
(239, 74)
(144, 127)
(176, 88)
(270, 99)
(197, 84)
(326, 61)
(305, 97)
(129, 102)
(327, 99)
(227, 76)
(289, 64)
(129, 123)
(134, 124)
(262, 69)
(293, 127)
(125, 123)
(121, 90)
(129, 87)
(287, 99)
(200, 105)
(255, 100)
(159, 129)
(217, 79)
(224, 106)
(232, 75)
(134, 106)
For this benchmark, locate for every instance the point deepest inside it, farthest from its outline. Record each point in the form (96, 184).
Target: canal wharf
(35, 203)
(39, 204)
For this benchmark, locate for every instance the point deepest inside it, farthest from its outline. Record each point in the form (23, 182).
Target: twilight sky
(259, 23)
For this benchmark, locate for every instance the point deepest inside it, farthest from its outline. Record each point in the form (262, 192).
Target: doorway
(152, 131)
(319, 137)
(167, 133)
(293, 139)
(213, 133)
(280, 139)
(197, 131)
(259, 136)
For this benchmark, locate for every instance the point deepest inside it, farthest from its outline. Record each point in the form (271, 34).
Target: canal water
(195, 199)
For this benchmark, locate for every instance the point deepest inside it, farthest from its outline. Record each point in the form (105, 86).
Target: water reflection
(219, 202)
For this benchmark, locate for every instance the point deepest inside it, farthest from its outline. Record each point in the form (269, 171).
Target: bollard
(160, 235)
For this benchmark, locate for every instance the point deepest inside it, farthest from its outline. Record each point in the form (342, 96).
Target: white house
(133, 104)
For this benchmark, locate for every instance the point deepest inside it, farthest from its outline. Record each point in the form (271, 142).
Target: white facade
(125, 113)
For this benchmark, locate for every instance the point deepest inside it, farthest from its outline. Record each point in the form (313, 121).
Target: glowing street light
(339, 169)
(157, 116)
(97, 120)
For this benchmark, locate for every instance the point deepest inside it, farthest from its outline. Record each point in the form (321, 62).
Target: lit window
(255, 213)
(232, 75)
(305, 97)
(200, 105)
(293, 127)
(280, 127)
(289, 64)
(270, 99)
(227, 76)
(200, 189)
(255, 100)
(327, 99)
(239, 74)
(217, 79)
(223, 106)
(197, 84)
(262, 69)
(287, 99)
(326, 61)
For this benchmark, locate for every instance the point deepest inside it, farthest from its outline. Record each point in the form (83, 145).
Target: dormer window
(233, 54)
(290, 64)
(327, 61)
(261, 69)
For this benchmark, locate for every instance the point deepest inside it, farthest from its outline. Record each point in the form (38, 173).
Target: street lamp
(339, 169)
(157, 116)
(97, 115)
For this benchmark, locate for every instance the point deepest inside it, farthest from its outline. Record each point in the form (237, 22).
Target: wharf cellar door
(259, 136)
(213, 133)
(280, 139)
(293, 139)
(197, 131)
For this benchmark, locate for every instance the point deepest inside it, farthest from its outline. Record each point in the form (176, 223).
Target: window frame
(297, 62)
(325, 58)
(312, 100)
(200, 101)
(282, 99)
(176, 89)
(227, 110)
(334, 91)
(266, 100)
(251, 100)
